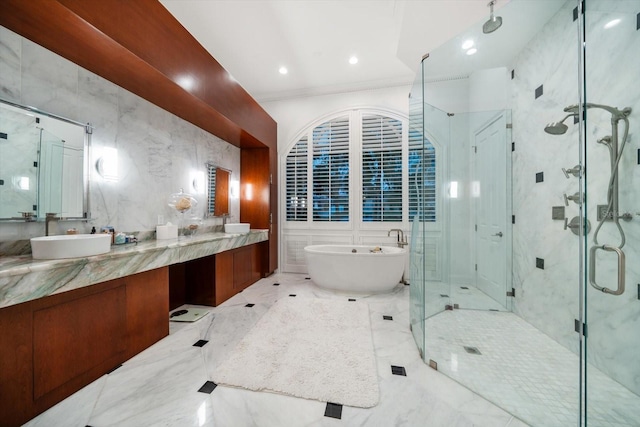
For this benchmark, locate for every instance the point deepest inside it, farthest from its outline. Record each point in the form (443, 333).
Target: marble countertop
(24, 279)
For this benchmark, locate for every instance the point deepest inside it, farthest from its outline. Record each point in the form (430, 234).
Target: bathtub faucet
(402, 240)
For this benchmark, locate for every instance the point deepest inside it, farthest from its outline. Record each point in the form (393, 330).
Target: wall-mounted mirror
(218, 191)
(43, 165)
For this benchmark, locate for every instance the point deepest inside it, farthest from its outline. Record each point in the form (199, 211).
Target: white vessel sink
(239, 227)
(70, 246)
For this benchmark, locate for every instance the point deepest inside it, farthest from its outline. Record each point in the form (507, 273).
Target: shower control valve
(574, 198)
(575, 171)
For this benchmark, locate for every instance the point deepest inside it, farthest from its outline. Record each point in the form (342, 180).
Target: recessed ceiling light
(467, 44)
(611, 23)
(353, 60)
(283, 70)
(472, 51)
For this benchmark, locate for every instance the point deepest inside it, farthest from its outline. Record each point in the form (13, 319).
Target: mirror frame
(86, 172)
(218, 186)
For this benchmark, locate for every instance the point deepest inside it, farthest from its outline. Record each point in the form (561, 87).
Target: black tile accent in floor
(208, 387)
(333, 410)
(292, 295)
(398, 370)
(200, 343)
(387, 317)
(472, 350)
(249, 305)
(114, 369)
(307, 278)
(276, 284)
(539, 91)
(444, 295)
(352, 299)
(464, 287)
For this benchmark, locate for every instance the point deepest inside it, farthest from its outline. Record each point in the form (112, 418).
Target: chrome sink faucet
(48, 218)
(402, 241)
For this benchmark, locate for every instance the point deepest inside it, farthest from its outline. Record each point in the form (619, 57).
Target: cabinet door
(224, 277)
(147, 309)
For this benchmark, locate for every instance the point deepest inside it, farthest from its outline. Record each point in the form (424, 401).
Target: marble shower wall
(546, 258)
(158, 152)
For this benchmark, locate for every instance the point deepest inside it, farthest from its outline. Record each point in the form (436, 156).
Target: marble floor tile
(159, 387)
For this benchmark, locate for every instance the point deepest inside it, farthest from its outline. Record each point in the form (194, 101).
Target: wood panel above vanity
(142, 48)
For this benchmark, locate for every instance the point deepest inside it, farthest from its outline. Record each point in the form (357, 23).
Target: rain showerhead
(558, 128)
(494, 22)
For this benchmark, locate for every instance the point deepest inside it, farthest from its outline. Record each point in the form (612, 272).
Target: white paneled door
(490, 196)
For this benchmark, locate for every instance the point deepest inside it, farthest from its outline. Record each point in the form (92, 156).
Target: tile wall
(158, 153)
(546, 257)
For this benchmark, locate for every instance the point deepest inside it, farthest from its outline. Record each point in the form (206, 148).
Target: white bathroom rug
(309, 348)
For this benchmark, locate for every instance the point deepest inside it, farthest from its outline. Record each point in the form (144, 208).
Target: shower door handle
(621, 267)
(499, 234)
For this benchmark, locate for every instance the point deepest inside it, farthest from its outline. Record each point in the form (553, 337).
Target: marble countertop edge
(25, 264)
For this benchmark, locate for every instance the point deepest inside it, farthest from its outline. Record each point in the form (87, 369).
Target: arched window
(351, 177)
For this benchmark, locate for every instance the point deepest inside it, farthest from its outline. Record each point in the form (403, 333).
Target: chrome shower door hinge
(578, 329)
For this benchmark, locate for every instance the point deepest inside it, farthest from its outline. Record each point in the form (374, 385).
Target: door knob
(499, 234)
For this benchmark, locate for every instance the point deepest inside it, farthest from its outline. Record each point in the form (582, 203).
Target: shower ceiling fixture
(494, 22)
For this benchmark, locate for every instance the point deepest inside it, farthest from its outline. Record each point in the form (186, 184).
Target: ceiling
(314, 39)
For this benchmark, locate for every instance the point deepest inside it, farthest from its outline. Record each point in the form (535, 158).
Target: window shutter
(296, 181)
(331, 170)
(422, 177)
(381, 169)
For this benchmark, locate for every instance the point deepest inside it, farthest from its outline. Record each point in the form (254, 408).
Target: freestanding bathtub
(355, 268)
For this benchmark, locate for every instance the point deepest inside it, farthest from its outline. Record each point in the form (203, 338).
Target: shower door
(429, 136)
(612, 273)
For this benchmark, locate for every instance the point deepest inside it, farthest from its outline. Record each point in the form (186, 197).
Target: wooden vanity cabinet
(214, 279)
(53, 346)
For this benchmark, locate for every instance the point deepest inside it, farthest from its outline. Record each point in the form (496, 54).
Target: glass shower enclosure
(525, 287)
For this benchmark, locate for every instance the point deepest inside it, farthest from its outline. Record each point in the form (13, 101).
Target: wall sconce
(21, 182)
(198, 182)
(475, 189)
(234, 189)
(453, 189)
(248, 191)
(107, 164)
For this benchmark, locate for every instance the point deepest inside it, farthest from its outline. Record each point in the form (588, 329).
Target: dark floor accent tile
(540, 263)
(444, 296)
(352, 299)
(208, 387)
(540, 177)
(200, 343)
(472, 350)
(398, 370)
(307, 278)
(464, 287)
(407, 283)
(276, 284)
(292, 295)
(333, 410)
(539, 91)
(513, 74)
(249, 305)
(114, 369)
(493, 309)
(387, 317)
